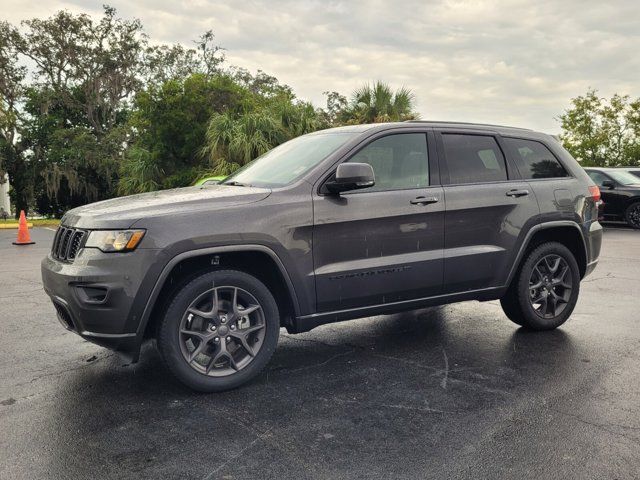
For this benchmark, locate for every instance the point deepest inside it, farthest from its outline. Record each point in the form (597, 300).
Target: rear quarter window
(534, 159)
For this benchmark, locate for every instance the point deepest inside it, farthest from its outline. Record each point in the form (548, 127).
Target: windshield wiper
(236, 184)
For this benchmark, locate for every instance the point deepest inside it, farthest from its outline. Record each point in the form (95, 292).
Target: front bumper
(101, 296)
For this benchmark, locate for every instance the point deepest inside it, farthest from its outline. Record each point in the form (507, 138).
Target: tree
(12, 146)
(336, 104)
(379, 103)
(601, 132)
(235, 138)
(162, 63)
(169, 122)
(69, 135)
(72, 134)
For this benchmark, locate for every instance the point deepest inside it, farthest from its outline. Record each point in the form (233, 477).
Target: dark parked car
(334, 225)
(633, 170)
(620, 192)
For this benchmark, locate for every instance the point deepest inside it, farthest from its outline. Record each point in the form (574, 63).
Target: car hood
(123, 212)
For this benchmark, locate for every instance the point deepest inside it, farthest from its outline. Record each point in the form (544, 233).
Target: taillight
(594, 190)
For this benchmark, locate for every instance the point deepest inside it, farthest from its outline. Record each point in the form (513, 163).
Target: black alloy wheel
(219, 330)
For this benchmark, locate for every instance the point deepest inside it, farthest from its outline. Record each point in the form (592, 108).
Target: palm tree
(139, 172)
(234, 140)
(378, 103)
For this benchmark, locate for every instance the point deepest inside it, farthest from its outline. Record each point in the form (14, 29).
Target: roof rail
(465, 123)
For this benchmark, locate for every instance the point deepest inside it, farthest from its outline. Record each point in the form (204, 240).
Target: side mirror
(608, 184)
(351, 176)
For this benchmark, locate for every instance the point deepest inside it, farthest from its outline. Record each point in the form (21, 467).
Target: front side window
(399, 161)
(473, 158)
(534, 159)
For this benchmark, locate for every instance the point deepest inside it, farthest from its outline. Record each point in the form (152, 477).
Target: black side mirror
(608, 184)
(351, 176)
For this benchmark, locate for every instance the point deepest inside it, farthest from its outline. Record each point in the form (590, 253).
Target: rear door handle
(517, 193)
(423, 200)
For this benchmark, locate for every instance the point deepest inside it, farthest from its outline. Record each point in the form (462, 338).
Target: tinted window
(625, 178)
(597, 177)
(399, 161)
(473, 158)
(534, 159)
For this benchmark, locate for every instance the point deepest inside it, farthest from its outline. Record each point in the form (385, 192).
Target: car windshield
(625, 178)
(289, 161)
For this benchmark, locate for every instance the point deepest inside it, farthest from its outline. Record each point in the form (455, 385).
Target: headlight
(114, 240)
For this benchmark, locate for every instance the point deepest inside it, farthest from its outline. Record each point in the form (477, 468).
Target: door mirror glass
(351, 176)
(608, 184)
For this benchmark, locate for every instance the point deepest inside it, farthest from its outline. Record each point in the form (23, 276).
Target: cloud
(515, 62)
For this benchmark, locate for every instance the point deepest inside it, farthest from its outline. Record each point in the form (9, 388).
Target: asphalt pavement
(450, 392)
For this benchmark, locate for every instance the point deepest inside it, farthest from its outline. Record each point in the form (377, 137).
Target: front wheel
(632, 215)
(219, 331)
(545, 290)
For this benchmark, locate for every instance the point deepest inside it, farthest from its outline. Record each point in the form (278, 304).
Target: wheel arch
(256, 260)
(630, 202)
(566, 232)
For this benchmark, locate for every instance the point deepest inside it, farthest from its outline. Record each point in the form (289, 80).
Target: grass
(36, 222)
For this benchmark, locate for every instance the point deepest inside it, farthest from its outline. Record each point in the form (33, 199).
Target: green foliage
(234, 139)
(169, 122)
(601, 132)
(379, 103)
(138, 172)
(107, 113)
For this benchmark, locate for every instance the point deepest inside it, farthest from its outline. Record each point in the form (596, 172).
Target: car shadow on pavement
(420, 374)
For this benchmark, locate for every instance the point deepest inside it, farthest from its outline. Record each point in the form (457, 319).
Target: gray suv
(334, 225)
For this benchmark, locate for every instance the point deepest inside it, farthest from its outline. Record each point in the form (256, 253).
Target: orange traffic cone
(23, 231)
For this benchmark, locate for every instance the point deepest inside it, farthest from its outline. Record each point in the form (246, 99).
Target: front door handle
(517, 193)
(423, 200)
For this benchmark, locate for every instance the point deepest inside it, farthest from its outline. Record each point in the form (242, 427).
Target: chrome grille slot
(76, 241)
(66, 243)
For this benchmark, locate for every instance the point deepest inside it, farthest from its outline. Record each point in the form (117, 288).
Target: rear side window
(473, 158)
(534, 159)
(597, 177)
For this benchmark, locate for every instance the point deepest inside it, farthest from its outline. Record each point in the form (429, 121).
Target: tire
(510, 307)
(216, 348)
(544, 293)
(632, 215)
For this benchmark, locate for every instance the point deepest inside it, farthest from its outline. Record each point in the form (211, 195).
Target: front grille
(66, 243)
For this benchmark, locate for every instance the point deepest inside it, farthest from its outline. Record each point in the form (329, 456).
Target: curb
(9, 226)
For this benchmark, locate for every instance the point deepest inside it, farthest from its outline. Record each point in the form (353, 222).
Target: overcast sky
(508, 62)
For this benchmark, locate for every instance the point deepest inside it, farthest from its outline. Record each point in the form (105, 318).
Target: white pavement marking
(49, 228)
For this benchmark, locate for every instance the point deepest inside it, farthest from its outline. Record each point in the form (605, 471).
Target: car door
(613, 201)
(487, 210)
(382, 244)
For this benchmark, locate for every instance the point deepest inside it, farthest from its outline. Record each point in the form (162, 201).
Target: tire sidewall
(530, 318)
(169, 337)
(627, 214)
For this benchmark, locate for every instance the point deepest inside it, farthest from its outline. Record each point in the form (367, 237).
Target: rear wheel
(219, 331)
(545, 290)
(632, 215)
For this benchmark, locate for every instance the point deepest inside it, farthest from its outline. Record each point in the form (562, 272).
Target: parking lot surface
(450, 392)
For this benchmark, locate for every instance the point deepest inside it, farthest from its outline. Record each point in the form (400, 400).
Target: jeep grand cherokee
(334, 225)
